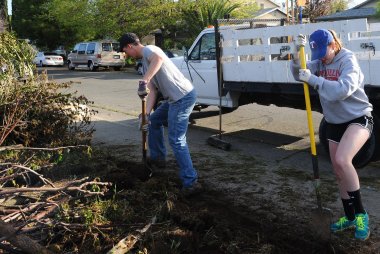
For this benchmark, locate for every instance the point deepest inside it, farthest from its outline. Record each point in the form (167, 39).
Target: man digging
(160, 74)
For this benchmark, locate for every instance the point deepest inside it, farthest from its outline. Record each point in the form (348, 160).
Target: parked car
(139, 68)
(48, 59)
(62, 52)
(95, 54)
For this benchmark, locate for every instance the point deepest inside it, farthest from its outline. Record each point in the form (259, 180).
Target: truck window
(82, 48)
(106, 46)
(115, 46)
(205, 48)
(75, 50)
(91, 48)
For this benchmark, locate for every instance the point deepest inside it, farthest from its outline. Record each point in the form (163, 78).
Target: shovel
(320, 217)
(147, 172)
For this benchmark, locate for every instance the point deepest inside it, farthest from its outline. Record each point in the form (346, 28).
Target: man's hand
(298, 42)
(304, 75)
(144, 125)
(143, 89)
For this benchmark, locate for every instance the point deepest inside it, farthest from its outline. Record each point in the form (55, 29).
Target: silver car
(95, 54)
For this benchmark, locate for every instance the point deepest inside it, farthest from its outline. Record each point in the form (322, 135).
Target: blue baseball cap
(318, 42)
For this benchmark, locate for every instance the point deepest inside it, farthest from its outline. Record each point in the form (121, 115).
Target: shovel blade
(321, 219)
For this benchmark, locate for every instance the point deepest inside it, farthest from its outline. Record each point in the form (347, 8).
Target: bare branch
(68, 187)
(21, 147)
(21, 241)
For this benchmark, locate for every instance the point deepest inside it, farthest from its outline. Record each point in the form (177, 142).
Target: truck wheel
(159, 100)
(365, 154)
(70, 66)
(140, 69)
(322, 136)
(376, 133)
(91, 66)
(226, 110)
(362, 158)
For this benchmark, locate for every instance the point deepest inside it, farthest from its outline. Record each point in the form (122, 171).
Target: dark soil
(209, 222)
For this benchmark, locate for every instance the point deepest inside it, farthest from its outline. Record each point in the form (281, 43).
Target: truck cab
(200, 66)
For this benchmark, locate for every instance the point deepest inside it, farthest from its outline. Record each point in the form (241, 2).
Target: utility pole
(292, 6)
(287, 11)
(9, 8)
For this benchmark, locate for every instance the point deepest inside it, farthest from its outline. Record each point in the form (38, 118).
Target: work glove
(143, 89)
(144, 126)
(298, 42)
(304, 75)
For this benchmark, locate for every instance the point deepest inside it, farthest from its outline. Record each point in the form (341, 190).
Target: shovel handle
(311, 133)
(143, 113)
(308, 105)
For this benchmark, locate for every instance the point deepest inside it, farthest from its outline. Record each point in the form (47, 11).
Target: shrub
(33, 111)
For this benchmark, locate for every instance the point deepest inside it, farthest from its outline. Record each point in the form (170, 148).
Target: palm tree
(203, 13)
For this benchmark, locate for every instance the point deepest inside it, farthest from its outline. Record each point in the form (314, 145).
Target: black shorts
(334, 132)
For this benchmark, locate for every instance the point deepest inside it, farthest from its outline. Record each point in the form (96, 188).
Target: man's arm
(155, 63)
(151, 98)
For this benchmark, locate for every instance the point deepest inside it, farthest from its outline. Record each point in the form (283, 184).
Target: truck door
(81, 59)
(202, 60)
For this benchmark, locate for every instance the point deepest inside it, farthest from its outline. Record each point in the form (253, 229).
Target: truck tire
(376, 133)
(70, 66)
(226, 110)
(322, 136)
(362, 158)
(91, 66)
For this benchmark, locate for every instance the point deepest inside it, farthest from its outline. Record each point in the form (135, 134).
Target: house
(270, 13)
(266, 4)
(367, 9)
(268, 10)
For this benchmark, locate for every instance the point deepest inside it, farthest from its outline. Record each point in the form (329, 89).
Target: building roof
(363, 10)
(266, 11)
(354, 13)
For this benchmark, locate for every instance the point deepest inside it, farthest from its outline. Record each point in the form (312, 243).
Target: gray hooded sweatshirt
(340, 86)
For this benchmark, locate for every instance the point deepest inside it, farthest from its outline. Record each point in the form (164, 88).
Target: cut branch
(69, 187)
(21, 241)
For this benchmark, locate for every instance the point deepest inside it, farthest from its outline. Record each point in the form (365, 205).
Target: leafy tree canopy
(50, 23)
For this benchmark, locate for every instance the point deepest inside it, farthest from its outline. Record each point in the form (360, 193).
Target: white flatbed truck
(243, 60)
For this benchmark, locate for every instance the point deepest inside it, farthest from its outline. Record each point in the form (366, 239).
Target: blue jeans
(177, 115)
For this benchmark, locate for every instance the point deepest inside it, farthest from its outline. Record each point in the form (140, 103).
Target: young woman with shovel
(335, 73)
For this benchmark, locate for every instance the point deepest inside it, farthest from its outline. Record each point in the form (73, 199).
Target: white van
(95, 54)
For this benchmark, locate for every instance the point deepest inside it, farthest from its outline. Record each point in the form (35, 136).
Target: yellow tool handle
(308, 104)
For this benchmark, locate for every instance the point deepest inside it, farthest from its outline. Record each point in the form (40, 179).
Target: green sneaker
(342, 224)
(362, 226)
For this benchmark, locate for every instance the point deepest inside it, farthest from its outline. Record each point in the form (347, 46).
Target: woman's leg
(342, 154)
(333, 147)
(353, 139)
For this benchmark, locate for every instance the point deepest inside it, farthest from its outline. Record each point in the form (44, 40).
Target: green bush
(33, 111)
